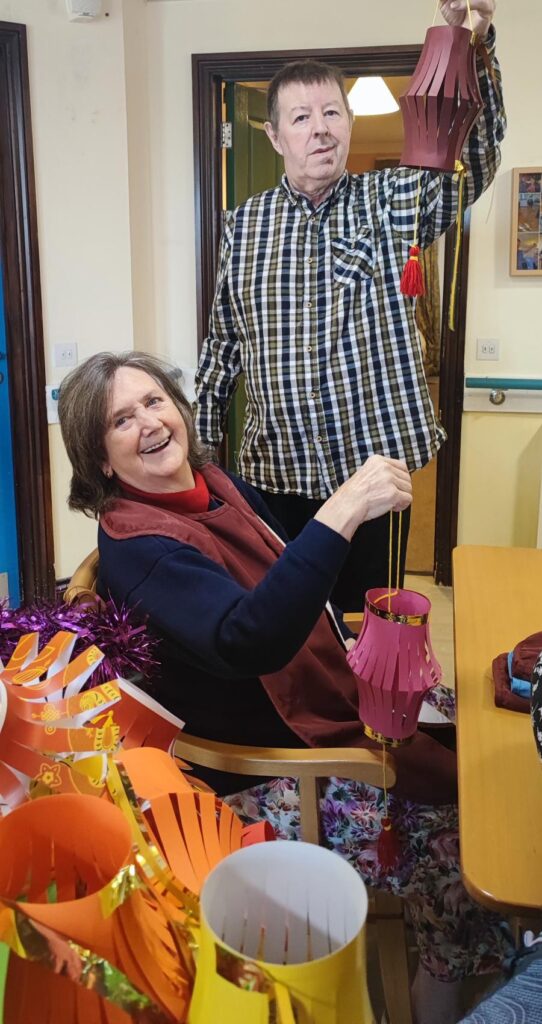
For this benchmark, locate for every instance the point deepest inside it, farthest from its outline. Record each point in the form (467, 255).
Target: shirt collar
(295, 197)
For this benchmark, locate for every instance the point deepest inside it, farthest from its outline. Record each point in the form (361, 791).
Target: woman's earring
(108, 473)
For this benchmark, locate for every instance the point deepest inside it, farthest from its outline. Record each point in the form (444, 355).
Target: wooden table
(497, 603)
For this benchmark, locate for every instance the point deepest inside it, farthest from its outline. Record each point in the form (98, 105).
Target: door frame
(23, 312)
(209, 71)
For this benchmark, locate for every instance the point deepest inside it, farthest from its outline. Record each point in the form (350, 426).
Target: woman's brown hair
(83, 409)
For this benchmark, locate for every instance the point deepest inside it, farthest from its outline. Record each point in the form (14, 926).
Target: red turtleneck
(196, 499)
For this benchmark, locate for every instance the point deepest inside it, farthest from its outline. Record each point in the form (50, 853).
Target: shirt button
(319, 438)
(309, 348)
(310, 260)
(313, 394)
(309, 305)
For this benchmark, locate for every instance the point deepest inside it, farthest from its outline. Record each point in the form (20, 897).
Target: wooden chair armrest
(316, 762)
(82, 586)
(353, 620)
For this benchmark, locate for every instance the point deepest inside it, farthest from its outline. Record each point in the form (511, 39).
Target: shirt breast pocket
(353, 258)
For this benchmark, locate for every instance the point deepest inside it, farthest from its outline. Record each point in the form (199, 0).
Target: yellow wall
(501, 476)
(112, 125)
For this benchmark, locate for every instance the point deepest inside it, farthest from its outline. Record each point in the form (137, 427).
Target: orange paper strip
(53, 656)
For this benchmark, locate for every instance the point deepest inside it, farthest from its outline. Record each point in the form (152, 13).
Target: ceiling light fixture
(370, 96)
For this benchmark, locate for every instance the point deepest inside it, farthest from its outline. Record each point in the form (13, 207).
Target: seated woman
(250, 653)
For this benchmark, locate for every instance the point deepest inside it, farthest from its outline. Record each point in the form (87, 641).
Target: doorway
(23, 366)
(213, 72)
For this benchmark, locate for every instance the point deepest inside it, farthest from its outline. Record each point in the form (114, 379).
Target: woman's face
(145, 438)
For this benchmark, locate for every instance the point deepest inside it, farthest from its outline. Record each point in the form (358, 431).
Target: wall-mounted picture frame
(526, 228)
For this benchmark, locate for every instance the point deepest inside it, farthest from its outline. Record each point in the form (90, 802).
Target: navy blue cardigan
(219, 638)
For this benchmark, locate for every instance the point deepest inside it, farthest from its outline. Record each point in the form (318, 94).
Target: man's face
(313, 134)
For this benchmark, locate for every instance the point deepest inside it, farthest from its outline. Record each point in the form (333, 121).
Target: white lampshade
(371, 96)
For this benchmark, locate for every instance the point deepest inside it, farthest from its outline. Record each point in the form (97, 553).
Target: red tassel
(388, 847)
(412, 282)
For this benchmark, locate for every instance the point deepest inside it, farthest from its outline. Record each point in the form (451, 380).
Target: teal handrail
(505, 383)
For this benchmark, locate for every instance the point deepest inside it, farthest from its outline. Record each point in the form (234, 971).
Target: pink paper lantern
(394, 662)
(442, 101)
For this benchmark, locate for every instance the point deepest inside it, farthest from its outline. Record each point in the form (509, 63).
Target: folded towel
(521, 687)
(516, 666)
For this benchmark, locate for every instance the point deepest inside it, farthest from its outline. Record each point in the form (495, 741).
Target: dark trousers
(367, 564)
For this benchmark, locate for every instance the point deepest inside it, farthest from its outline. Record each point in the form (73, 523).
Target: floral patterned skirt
(455, 936)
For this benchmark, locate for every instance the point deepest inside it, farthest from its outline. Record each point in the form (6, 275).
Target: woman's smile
(158, 446)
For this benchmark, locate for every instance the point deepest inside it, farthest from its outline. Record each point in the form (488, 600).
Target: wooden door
(252, 166)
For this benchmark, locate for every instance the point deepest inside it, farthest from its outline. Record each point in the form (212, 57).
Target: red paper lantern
(443, 100)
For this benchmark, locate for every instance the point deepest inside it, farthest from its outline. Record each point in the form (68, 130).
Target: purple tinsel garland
(128, 647)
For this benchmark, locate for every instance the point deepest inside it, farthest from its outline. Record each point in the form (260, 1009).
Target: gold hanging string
(399, 521)
(384, 779)
(470, 17)
(390, 552)
(393, 593)
(460, 170)
(417, 214)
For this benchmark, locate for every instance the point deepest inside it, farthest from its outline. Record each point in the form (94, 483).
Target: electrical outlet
(65, 353)
(487, 348)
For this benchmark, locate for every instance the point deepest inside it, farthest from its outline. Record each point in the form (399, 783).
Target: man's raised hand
(456, 13)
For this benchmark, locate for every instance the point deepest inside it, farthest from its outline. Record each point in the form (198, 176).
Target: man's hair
(307, 72)
(83, 411)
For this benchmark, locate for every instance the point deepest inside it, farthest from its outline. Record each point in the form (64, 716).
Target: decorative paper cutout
(53, 736)
(106, 894)
(80, 847)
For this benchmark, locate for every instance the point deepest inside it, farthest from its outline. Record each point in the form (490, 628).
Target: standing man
(308, 305)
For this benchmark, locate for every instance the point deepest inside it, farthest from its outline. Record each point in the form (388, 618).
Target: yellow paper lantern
(282, 939)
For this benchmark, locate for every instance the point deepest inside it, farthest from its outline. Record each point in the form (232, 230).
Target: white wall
(78, 103)
(138, 121)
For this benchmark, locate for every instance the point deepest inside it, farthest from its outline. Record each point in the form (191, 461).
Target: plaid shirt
(308, 305)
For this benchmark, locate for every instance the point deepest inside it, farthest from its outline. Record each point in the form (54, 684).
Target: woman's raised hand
(381, 485)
